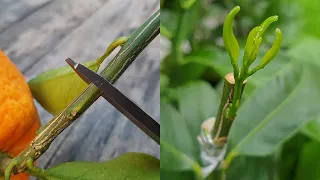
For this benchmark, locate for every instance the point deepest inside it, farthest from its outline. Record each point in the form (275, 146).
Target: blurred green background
(194, 62)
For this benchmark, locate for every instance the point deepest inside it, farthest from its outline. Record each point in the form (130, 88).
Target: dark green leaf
(197, 102)
(251, 168)
(177, 175)
(56, 88)
(181, 74)
(168, 20)
(312, 129)
(133, 166)
(309, 166)
(271, 114)
(178, 152)
(289, 156)
(177, 149)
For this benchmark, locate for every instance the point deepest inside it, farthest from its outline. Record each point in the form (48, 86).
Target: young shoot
(250, 54)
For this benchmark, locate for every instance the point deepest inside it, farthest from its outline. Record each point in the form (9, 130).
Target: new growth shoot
(250, 54)
(234, 83)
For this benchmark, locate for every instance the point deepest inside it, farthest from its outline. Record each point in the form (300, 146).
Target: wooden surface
(40, 34)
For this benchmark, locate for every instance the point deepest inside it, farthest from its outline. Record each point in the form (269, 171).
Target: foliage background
(287, 144)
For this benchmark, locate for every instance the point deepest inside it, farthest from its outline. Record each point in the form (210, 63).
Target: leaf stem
(127, 54)
(118, 42)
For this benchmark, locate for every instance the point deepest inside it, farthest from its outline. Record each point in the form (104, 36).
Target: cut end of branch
(230, 79)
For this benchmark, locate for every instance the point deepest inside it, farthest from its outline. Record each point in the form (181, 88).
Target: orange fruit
(19, 119)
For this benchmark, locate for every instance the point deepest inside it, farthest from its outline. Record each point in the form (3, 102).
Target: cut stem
(127, 54)
(223, 119)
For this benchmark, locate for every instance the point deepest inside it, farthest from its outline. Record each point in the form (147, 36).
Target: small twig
(127, 54)
(223, 120)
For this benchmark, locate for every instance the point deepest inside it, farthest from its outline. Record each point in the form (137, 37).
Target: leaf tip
(236, 9)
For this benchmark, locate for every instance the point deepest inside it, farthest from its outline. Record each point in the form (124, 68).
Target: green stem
(127, 54)
(35, 171)
(179, 35)
(238, 89)
(4, 162)
(232, 91)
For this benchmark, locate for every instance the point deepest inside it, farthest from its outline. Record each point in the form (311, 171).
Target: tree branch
(127, 54)
(223, 121)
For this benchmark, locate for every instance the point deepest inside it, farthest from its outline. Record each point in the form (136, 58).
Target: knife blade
(122, 103)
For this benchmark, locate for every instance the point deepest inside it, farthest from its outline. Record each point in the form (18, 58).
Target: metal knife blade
(126, 106)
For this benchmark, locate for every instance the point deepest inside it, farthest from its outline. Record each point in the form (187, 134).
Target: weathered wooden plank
(102, 132)
(13, 11)
(30, 39)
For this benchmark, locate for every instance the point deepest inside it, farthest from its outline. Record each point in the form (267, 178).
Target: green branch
(223, 121)
(127, 54)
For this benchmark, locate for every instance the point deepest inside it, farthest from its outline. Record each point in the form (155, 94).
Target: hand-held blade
(119, 101)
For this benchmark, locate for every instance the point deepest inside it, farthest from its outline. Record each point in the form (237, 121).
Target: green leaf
(275, 111)
(273, 50)
(181, 74)
(197, 101)
(306, 50)
(251, 168)
(177, 175)
(309, 25)
(169, 20)
(309, 166)
(289, 156)
(133, 166)
(312, 129)
(229, 39)
(177, 151)
(56, 88)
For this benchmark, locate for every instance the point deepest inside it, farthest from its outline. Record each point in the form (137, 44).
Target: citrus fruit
(19, 119)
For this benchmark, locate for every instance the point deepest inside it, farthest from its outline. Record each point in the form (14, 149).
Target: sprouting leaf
(229, 39)
(133, 166)
(249, 43)
(56, 88)
(265, 24)
(253, 42)
(254, 52)
(270, 114)
(273, 50)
